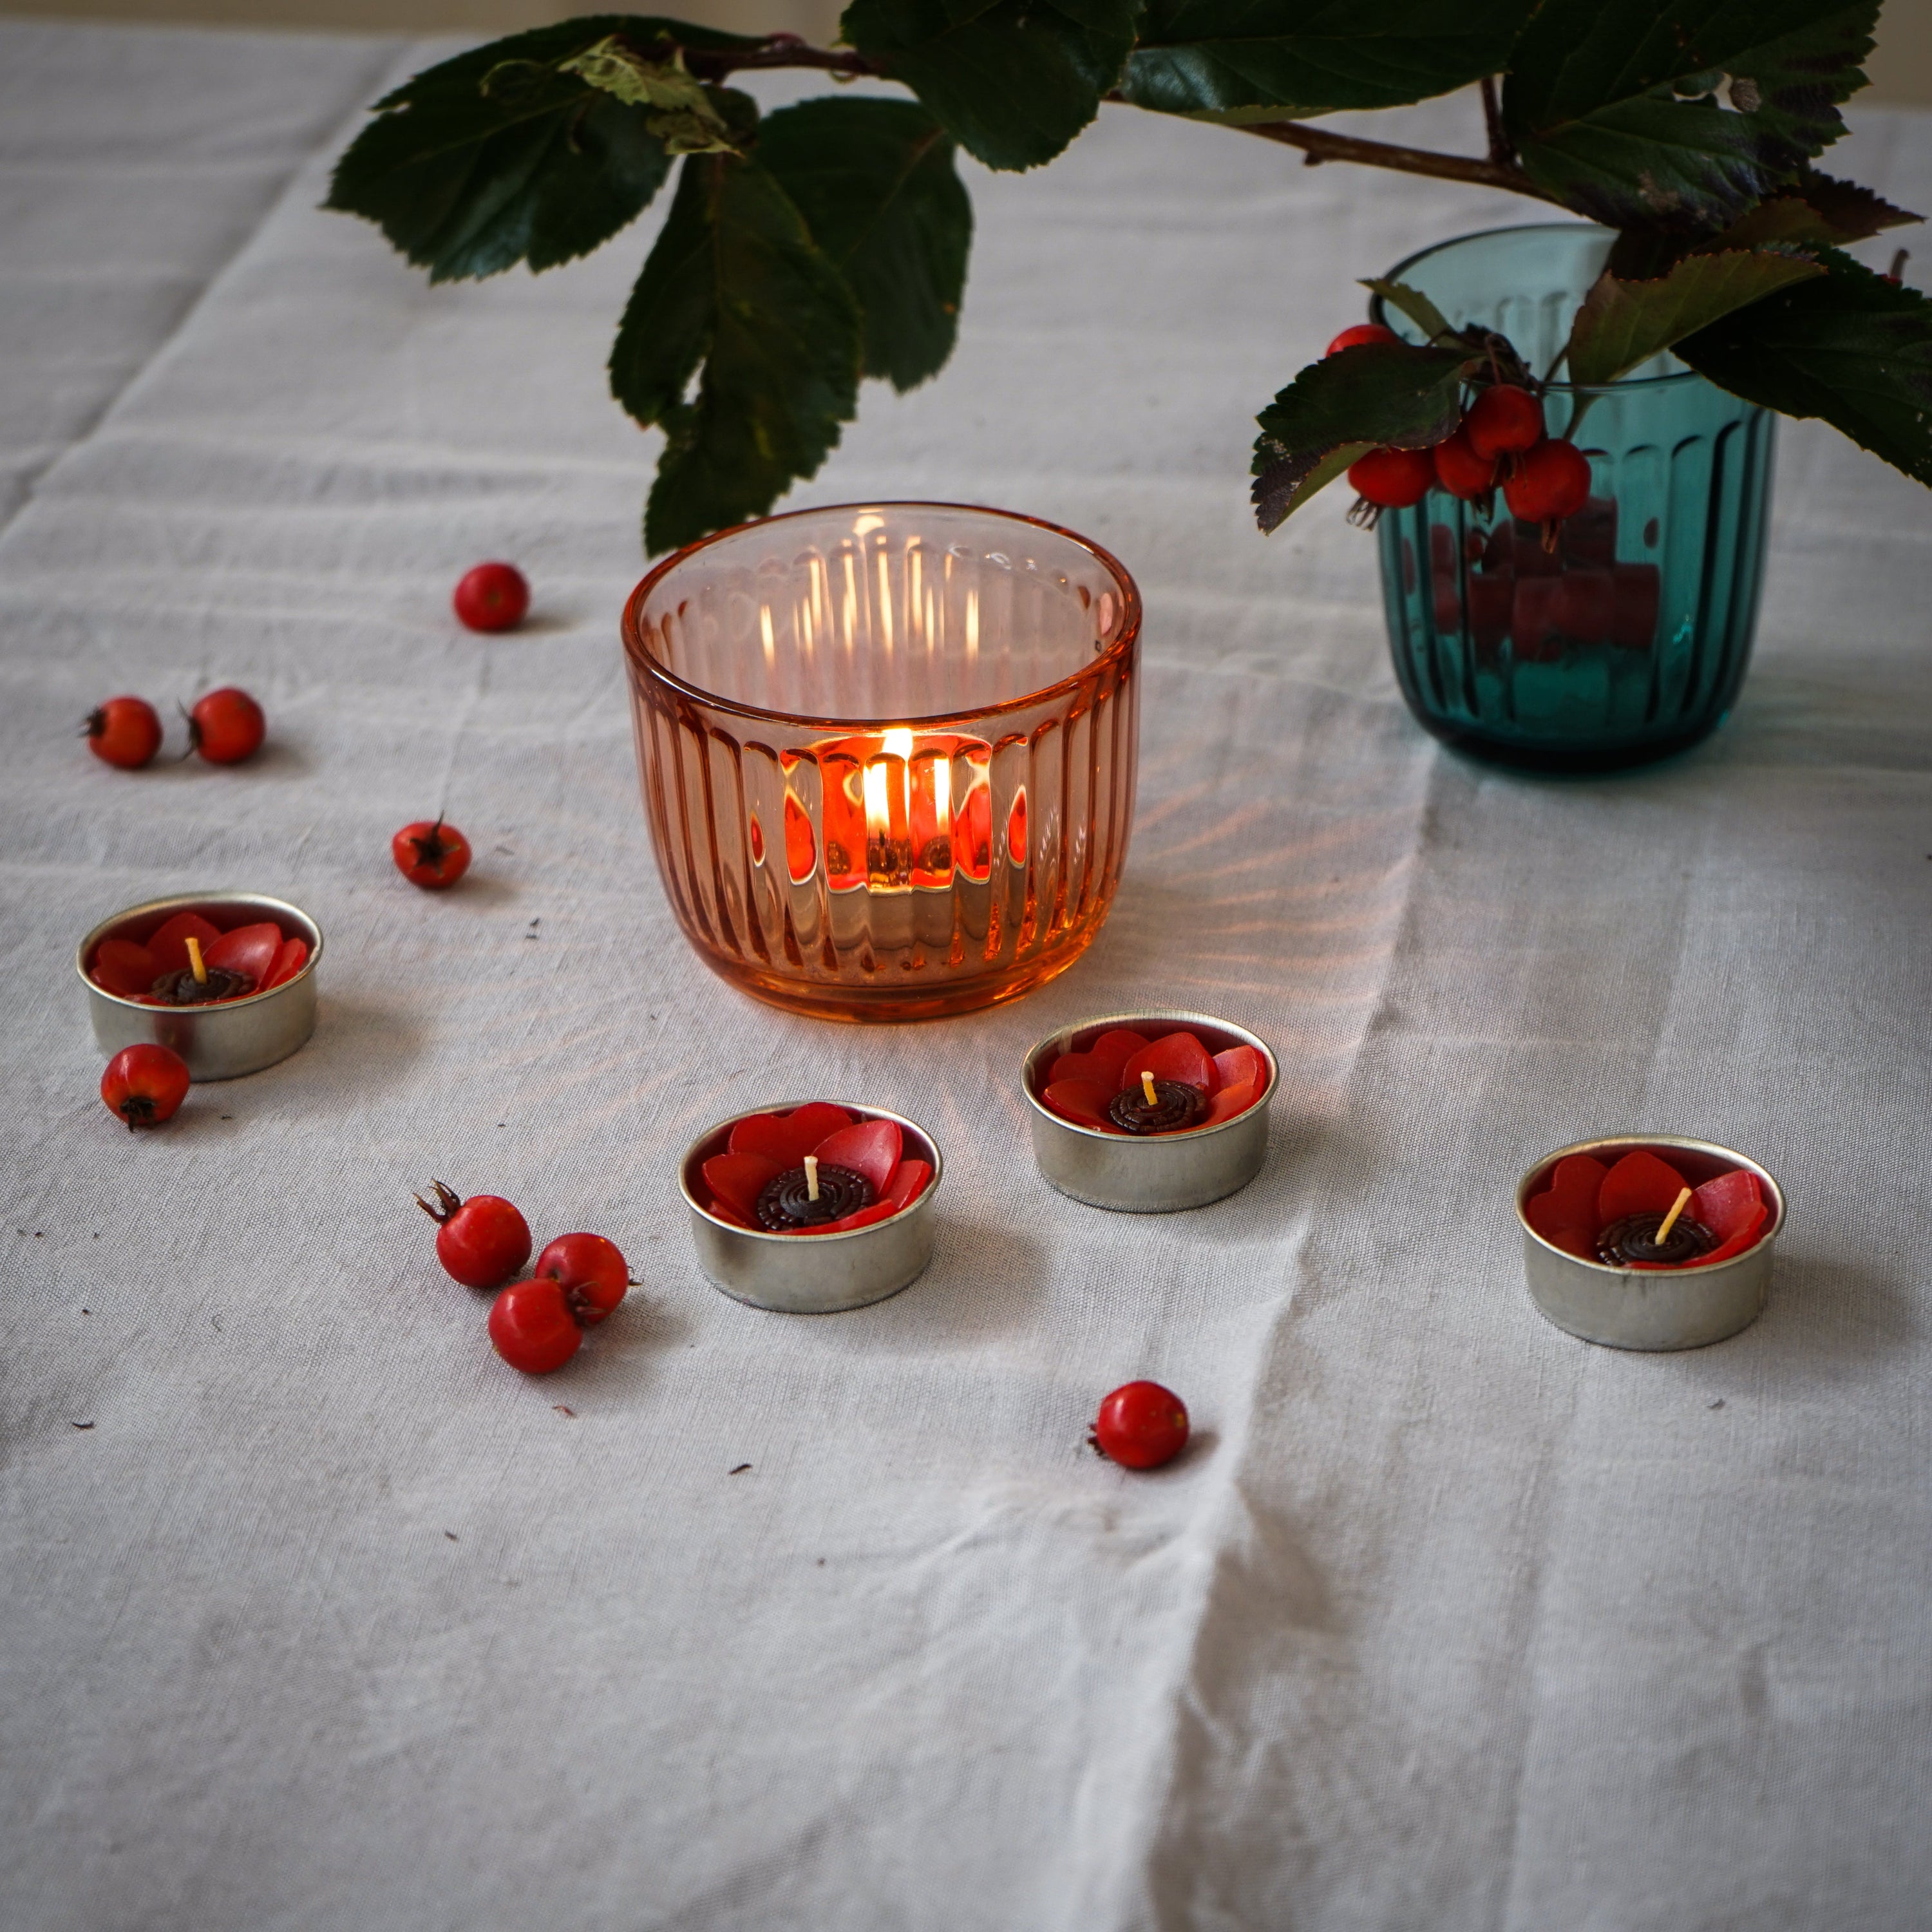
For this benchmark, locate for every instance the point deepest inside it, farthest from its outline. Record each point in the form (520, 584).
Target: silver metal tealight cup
(813, 1274)
(220, 1042)
(1650, 1308)
(1149, 1173)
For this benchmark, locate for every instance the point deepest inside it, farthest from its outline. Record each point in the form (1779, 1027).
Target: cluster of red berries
(225, 727)
(1500, 442)
(536, 1325)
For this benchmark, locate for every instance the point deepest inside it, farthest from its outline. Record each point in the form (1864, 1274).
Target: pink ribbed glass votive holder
(887, 752)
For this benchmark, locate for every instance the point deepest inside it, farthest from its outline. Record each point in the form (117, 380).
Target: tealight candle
(227, 980)
(1150, 1112)
(812, 1206)
(1649, 1241)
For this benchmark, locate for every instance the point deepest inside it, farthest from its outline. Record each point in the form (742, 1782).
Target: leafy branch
(807, 248)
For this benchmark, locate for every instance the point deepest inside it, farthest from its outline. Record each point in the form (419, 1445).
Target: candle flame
(942, 793)
(898, 743)
(765, 631)
(878, 809)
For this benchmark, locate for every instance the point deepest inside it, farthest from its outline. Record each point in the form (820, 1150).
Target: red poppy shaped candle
(1150, 1112)
(1649, 1241)
(812, 1206)
(227, 980)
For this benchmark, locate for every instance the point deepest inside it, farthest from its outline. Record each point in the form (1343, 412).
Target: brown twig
(1502, 149)
(776, 50)
(1320, 144)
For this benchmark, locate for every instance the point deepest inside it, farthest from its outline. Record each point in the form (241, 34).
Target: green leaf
(875, 182)
(1680, 114)
(735, 293)
(498, 157)
(1014, 80)
(1412, 303)
(1852, 347)
(1288, 482)
(1230, 59)
(686, 115)
(1376, 393)
(1816, 208)
(1624, 323)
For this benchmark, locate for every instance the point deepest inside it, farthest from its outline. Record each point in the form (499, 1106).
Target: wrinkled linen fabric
(1446, 1621)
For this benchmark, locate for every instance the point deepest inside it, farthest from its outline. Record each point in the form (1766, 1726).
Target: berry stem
(447, 1202)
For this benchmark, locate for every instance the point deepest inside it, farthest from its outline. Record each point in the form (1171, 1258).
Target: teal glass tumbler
(1629, 640)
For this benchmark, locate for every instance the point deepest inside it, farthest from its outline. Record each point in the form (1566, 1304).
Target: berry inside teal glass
(1622, 634)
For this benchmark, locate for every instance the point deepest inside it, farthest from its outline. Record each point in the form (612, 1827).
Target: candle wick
(811, 1177)
(1146, 1087)
(194, 960)
(1670, 1219)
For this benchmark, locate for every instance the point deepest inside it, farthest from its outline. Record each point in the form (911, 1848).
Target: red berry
(226, 727)
(590, 1270)
(145, 1084)
(1503, 419)
(492, 597)
(125, 731)
(1459, 470)
(1550, 482)
(1141, 1425)
(1363, 332)
(1392, 479)
(480, 1242)
(532, 1327)
(431, 856)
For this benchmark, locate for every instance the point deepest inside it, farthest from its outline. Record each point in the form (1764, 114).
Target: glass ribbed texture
(1629, 641)
(887, 752)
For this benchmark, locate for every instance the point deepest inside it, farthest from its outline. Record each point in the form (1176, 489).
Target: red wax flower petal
(1101, 1067)
(290, 957)
(248, 949)
(725, 1212)
(859, 1217)
(1743, 1236)
(1724, 1205)
(1103, 1058)
(170, 945)
(908, 1183)
(1239, 1063)
(1084, 1101)
(1176, 1056)
(121, 966)
(787, 1138)
(1639, 1183)
(871, 1148)
(738, 1179)
(1230, 1101)
(1565, 1213)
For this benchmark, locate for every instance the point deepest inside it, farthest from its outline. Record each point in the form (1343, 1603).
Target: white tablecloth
(1445, 1621)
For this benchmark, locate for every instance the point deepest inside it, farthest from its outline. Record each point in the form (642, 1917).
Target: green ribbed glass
(1629, 641)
